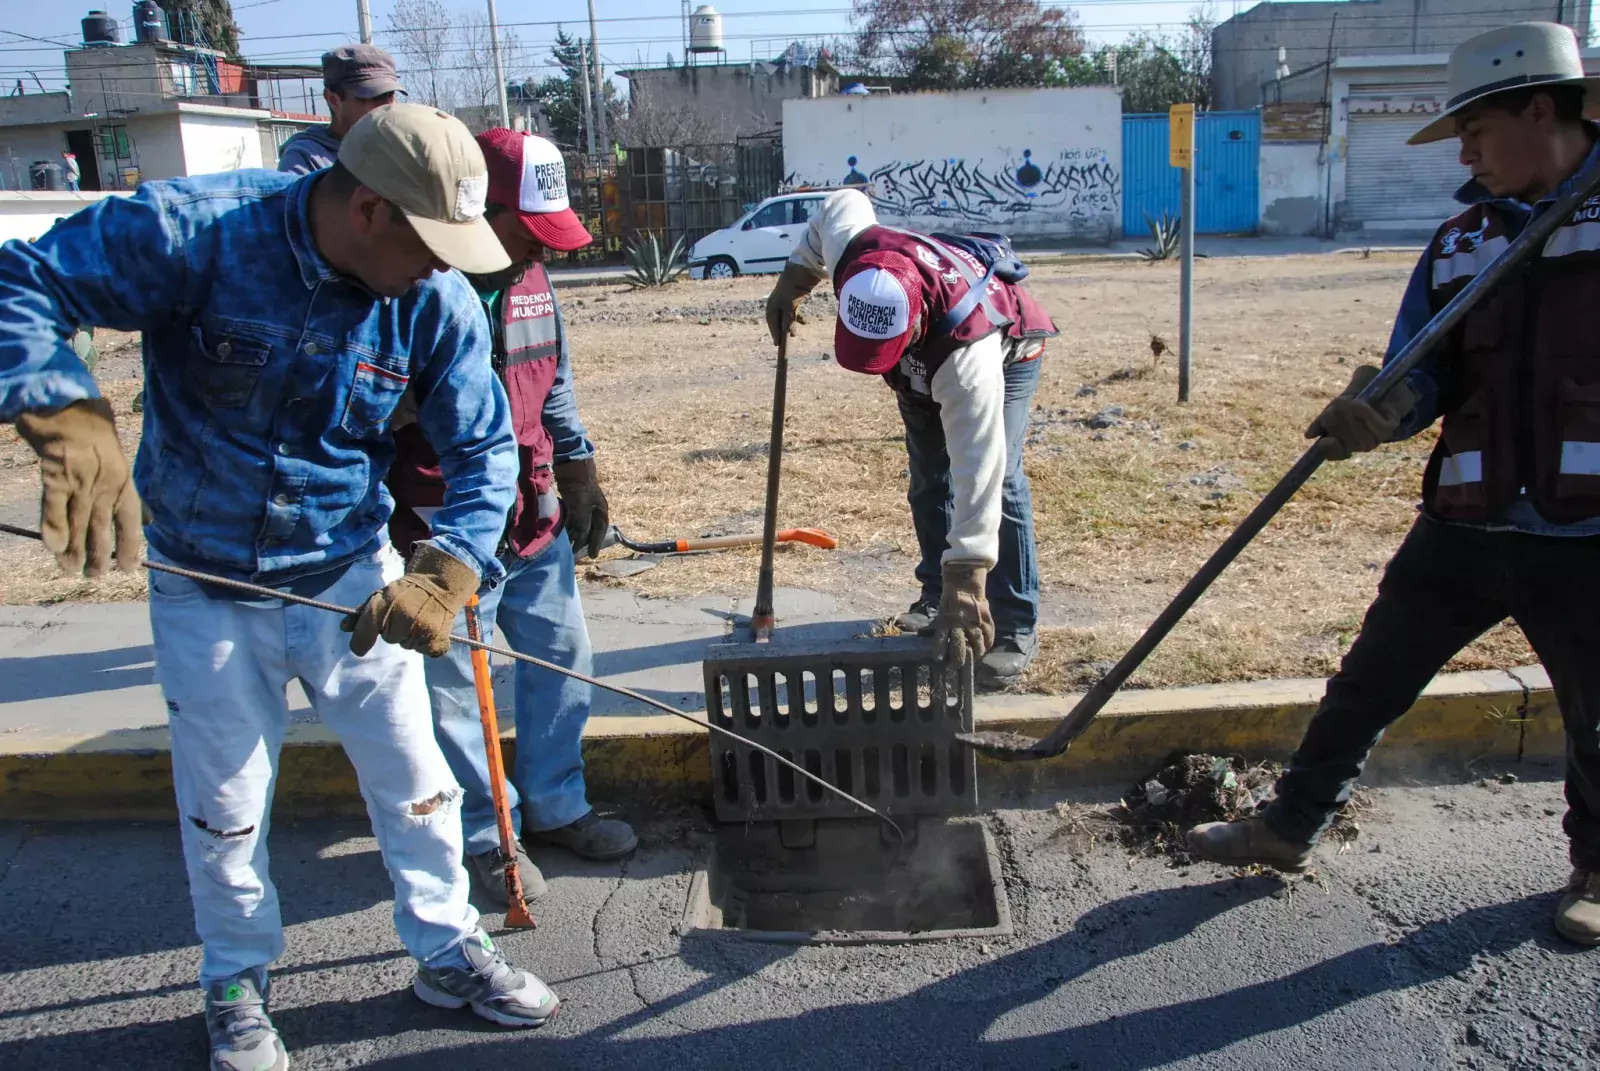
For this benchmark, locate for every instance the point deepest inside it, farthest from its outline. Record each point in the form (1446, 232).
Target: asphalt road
(1426, 946)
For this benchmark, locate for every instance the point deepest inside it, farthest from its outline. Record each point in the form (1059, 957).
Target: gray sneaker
(490, 870)
(1006, 661)
(591, 836)
(480, 976)
(242, 1037)
(919, 618)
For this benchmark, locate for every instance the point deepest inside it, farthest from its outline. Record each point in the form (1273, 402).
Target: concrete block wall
(26, 215)
(1036, 163)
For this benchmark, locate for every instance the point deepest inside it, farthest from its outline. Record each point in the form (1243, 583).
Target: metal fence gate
(1227, 149)
(688, 191)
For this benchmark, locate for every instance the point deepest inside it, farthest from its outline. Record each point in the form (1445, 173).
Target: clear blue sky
(301, 30)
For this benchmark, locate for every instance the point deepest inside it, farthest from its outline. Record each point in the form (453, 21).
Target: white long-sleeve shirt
(969, 387)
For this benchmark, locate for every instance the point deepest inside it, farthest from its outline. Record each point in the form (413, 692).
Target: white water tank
(705, 29)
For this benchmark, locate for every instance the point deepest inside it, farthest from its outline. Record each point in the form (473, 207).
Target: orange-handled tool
(815, 537)
(517, 916)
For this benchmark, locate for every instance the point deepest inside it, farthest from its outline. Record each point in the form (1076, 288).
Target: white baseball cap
(528, 176)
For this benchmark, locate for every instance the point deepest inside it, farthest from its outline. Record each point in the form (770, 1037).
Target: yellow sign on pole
(1180, 135)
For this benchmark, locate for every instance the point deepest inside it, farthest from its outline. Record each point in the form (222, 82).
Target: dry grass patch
(1131, 490)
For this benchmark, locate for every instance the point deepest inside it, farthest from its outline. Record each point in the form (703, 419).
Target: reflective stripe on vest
(1580, 459)
(1457, 469)
(1468, 262)
(1582, 238)
(530, 318)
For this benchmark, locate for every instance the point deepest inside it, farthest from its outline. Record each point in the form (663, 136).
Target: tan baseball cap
(426, 164)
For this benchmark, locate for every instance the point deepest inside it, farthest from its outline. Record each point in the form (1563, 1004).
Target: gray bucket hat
(1512, 57)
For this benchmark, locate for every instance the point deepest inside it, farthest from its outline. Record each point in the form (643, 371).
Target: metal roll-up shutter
(1388, 181)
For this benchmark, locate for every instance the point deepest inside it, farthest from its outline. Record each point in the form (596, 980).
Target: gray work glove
(783, 304)
(963, 626)
(1353, 426)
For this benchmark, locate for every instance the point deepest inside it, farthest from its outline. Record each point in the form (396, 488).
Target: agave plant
(1167, 233)
(649, 266)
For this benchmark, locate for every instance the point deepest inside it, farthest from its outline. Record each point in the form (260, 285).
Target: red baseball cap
(528, 176)
(880, 303)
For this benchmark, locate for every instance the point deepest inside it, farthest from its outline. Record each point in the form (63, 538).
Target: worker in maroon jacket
(536, 607)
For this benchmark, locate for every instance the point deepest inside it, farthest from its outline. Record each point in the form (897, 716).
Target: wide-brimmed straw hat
(1512, 57)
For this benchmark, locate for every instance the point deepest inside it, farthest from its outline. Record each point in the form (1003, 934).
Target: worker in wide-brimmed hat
(1510, 523)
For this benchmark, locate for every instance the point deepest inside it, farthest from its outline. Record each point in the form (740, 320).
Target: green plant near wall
(648, 265)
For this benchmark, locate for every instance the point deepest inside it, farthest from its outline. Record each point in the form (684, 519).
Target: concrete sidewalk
(77, 671)
(1207, 245)
(1428, 945)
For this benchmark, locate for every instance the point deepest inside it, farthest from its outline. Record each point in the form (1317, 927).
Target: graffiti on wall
(1080, 185)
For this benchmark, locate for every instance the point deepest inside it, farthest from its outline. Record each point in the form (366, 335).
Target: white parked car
(758, 241)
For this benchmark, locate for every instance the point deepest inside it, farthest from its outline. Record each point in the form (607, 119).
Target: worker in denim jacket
(283, 319)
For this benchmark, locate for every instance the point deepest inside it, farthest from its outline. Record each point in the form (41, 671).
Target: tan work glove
(588, 517)
(89, 503)
(417, 610)
(963, 625)
(783, 304)
(1354, 426)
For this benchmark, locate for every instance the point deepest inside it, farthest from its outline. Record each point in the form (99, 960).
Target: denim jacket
(269, 378)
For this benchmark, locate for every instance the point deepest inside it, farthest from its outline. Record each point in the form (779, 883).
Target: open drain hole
(848, 886)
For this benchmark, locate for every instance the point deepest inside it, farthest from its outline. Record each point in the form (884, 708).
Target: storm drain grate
(877, 718)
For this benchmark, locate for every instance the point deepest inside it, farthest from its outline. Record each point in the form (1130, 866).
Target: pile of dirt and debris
(1188, 789)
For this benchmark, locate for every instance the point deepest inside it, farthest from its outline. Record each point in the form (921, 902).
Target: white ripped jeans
(223, 665)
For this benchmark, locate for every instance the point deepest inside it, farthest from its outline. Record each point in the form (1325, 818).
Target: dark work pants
(1446, 586)
(1013, 585)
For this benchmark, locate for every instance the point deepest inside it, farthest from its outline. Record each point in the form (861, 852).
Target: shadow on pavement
(54, 675)
(939, 1025)
(82, 904)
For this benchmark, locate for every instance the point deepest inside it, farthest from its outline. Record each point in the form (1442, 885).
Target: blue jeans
(537, 610)
(223, 666)
(1013, 586)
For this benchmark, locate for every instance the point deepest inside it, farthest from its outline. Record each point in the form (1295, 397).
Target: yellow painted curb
(1461, 716)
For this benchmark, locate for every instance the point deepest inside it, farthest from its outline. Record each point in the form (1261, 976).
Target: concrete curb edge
(1492, 715)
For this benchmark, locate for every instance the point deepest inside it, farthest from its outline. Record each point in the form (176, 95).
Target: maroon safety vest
(527, 350)
(944, 274)
(1520, 380)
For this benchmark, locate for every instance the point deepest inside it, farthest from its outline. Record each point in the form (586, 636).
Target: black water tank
(46, 175)
(101, 29)
(149, 21)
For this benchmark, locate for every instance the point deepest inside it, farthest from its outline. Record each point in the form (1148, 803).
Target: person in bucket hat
(1510, 520)
(560, 513)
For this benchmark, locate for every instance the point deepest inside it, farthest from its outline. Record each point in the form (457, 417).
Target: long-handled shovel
(1014, 747)
(762, 619)
(517, 916)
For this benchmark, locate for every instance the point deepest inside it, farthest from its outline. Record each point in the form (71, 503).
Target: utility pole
(499, 66)
(364, 20)
(588, 109)
(1180, 153)
(599, 107)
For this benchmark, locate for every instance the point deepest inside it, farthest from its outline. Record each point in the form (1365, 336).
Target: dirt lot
(1131, 490)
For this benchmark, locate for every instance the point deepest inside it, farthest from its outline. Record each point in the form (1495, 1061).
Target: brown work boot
(1247, 841)
(1578, 914)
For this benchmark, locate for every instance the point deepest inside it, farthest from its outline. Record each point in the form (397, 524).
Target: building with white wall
(155, 109)
(1346, 168)
(1038, 163)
